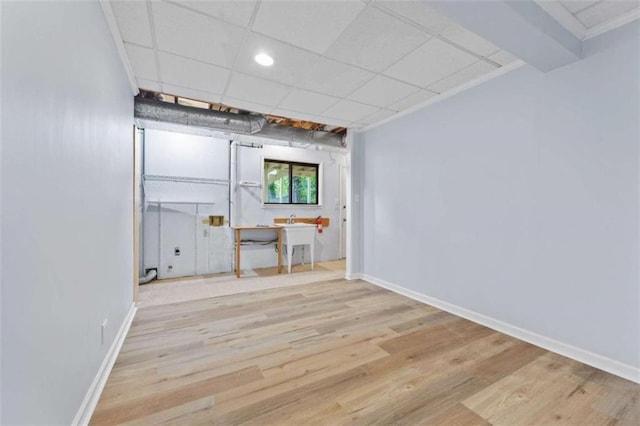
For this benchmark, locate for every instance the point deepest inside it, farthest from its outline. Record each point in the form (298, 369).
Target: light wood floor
(345, 352)
(175, 290)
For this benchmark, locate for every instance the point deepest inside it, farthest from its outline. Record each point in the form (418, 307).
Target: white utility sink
(298, 234)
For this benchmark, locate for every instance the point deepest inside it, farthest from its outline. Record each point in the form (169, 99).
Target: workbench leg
(238, 253)
(279, 251)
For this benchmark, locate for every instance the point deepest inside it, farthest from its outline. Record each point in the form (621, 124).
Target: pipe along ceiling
(248, 124)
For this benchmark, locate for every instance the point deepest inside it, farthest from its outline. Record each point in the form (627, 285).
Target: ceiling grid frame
(346, 96)
(298, 84)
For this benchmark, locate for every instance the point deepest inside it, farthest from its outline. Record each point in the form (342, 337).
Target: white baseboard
(609, 365)
(353, 276)
(83, 416)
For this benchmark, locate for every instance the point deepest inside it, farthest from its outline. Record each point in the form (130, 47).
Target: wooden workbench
(239, 230)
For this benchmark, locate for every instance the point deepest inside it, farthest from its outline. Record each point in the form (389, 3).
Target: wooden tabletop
(238, 230)
(245, 227)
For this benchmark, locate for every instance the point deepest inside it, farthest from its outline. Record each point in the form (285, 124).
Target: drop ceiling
(588, 18)
(347, 63)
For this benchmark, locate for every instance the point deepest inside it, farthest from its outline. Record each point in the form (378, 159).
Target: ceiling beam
(520, 27)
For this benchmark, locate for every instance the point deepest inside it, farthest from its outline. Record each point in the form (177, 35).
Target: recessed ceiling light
(264, 59)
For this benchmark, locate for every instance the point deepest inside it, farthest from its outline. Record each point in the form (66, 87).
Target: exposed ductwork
(248, 124)
(150, 109)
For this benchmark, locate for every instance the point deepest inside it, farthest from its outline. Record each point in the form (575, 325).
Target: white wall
(169, 153)
(250, 210)
(518, 200)
(179, 154)
(174, 153)
(67, 115)
(1, 316)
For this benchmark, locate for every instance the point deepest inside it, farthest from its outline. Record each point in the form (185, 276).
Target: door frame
(136, 213)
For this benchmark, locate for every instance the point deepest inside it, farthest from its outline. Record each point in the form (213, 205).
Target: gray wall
(357, 188)
(67, 115)
(518, 199)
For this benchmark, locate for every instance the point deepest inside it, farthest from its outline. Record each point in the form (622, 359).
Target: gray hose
(151, 275)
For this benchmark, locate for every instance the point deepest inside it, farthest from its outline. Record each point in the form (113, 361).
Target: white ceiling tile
(296, 115)
(605, 10)
(429, 63)
(577, 5)
(377, 116)
(232, 11)
(189, 93)
(154, 86)
(290, 65)
(307, 102)
(469, 40)
(142, 61)
(194, 35)
(334, 78)
(349, 110)
(179, 71)
(246, 105)
(418, 13)
(465, 75)
(133, 21)
(503, 57)
(412, 100)
(312, 25)
(382, 91)
(331, 121)
(376, 40)
(254, 89)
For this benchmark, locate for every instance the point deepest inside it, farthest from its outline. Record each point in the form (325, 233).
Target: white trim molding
(612, 24)
(122, 52)
(569, 21)
(564, 17)
(609, 365)
(355, 276)
(83, 416)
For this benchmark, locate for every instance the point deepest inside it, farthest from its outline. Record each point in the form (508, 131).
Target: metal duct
(197, 117)
(249, 124)
(294, 134)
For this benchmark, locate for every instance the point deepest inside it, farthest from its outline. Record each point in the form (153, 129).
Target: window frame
(291, 164)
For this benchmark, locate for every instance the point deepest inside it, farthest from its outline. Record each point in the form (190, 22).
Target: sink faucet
(291, 218)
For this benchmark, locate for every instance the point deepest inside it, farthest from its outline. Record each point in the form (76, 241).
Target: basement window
(287, 182)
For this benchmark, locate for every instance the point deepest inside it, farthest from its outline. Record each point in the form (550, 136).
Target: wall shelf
(250, 184)
(184, 179)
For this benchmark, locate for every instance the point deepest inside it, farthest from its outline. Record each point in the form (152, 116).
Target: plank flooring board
(403, 381)
(506, 362)
(456, 415)
(418, 323)
(344, 353)
(545, 390)
(179, 415)
(152, 403)
(362, 319)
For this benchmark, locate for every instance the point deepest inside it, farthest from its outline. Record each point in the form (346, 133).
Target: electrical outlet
(103, 330)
